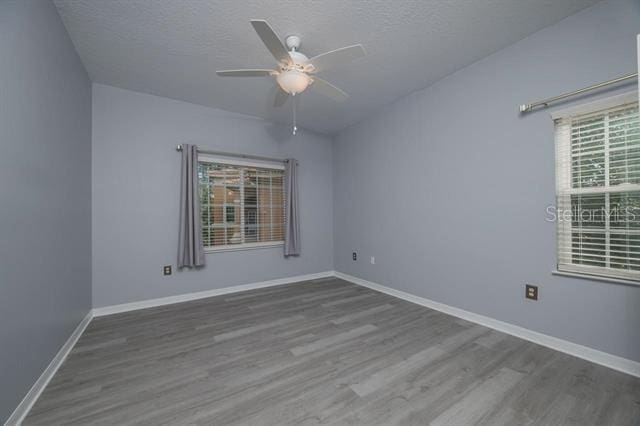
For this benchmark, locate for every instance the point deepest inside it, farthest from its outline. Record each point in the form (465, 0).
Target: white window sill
(595, 278)
(241, 247)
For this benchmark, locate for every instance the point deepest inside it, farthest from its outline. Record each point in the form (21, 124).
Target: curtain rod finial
(179, 148)
(525, 108)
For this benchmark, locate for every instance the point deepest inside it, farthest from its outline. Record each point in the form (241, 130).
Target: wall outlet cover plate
(531, 292)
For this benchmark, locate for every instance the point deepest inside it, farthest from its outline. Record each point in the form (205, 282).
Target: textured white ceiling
(172, 48)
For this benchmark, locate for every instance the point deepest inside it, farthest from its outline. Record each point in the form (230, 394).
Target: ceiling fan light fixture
(293, 81)
(295, 71)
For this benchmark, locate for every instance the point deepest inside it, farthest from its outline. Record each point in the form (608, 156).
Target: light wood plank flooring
(322, 352)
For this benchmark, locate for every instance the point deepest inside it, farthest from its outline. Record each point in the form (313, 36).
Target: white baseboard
(150, 303)
(603, 358)
(32, 396)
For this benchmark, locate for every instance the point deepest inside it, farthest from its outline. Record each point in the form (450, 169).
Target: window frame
(214, 159)
(564, 187)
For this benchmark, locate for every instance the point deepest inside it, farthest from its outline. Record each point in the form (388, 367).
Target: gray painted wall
(136, 174)
(448, 187)
(45, 193)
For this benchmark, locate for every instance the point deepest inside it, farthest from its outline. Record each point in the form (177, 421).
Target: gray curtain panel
(190, 249)
(292, 215)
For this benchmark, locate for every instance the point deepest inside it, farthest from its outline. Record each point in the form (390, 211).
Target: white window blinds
(598, 192)
(241, 205)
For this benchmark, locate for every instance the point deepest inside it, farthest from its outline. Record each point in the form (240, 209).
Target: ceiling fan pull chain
(295, 128)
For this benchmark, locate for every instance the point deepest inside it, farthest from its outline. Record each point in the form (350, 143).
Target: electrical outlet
(354, 256)
(531, 292)
(166, 269)
(373, 260)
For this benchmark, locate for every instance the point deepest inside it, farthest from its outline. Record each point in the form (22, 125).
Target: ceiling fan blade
(329, 90)
(244, 73)
(271, 40)
(337, 57)
(281, 97)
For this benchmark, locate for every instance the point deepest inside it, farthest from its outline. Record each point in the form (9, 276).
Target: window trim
(596, 273)
(208, 158)
(592, 107)
(216, 159)
(585, 276)
(244, 246)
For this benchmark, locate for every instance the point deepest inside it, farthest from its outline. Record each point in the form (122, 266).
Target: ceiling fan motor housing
(299, 60)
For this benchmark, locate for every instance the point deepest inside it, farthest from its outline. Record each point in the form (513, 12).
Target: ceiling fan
(295, 72)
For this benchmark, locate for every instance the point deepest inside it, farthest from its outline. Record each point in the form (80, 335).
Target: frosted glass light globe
(293, 81)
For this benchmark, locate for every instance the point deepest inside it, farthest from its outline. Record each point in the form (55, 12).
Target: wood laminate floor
(322, 352)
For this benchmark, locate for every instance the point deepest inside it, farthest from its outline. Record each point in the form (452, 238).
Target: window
(241, 203)
(598, 189)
